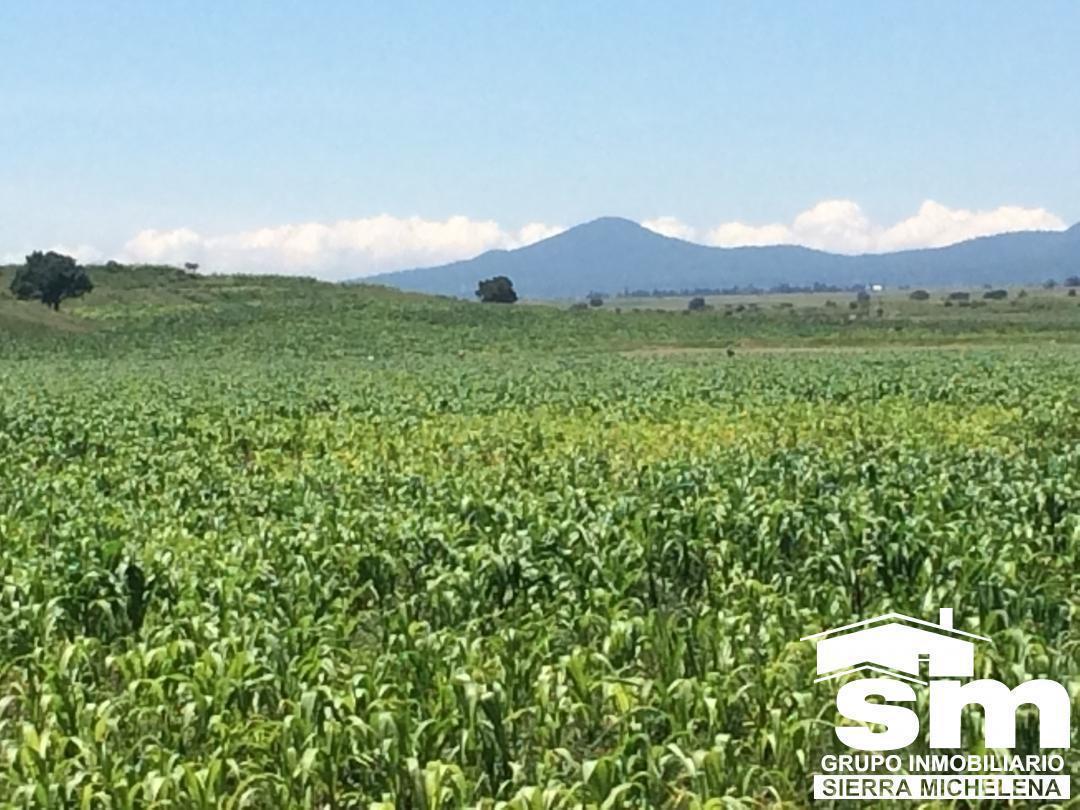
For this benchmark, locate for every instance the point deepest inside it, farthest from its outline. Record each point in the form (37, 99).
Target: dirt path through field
(705, 351)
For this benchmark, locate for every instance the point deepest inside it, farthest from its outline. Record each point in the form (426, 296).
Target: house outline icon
(897, 645)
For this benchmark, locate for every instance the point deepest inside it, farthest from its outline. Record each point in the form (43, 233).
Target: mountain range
(612, 255)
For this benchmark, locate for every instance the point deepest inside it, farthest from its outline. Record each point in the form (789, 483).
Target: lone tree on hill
(498, 290)
(50, 278)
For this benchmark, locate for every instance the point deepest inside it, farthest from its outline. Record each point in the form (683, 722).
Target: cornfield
(515, 581)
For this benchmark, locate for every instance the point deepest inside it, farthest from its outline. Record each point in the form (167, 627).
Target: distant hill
(612, 254)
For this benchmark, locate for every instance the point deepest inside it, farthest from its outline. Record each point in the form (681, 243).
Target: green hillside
(164, 310)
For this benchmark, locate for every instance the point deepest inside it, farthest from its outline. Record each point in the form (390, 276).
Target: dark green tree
(50, 278)
(498, 290)
(696, 304)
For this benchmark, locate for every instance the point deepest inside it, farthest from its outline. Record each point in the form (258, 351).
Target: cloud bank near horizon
(345, 249)
(354, 248)
(841, 226)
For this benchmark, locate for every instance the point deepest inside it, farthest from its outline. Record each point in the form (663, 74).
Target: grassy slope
(161, 310)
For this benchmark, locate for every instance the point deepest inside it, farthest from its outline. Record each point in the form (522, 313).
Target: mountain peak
(610, 232)
(613, 254)
(611, 222)
(609, 225)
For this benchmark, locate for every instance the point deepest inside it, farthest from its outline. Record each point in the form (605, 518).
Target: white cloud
(738, 234)
(670, 226)
(355, 248)
(936, 225)
(344, 249)
(535, 232)
(842, 226)
(86, 254)
(835, 225)
(162, 246)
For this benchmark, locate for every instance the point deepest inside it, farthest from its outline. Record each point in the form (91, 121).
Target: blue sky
(338, 130)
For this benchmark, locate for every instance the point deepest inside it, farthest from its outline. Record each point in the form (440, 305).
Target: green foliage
(696, 304)
(498, 290)
(50, 278)
(274, 544)
(919, 295)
